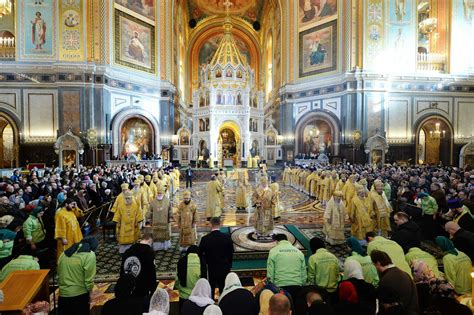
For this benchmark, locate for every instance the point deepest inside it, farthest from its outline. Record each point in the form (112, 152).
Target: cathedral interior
(234, 85)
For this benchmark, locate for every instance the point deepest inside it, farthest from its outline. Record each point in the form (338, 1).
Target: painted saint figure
(38, 31)
(136, 50)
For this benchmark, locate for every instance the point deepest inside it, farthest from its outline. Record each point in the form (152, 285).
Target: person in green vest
(191, 267)
(25, 261)
(34, 231)
(390, 247)
(286, 265)
(457, 266)
(323, 266)
(7, 238)
(358, 253)
(415, 253)
(429, 208)
(76, 272)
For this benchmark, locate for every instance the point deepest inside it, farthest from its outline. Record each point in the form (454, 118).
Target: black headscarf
(183, 265)
(316, 243)
(87, 245)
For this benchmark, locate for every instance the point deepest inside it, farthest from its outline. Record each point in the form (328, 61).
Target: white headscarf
(159, 303)
(353, 269)
(212, 310)
(232, 282)
(201, 294)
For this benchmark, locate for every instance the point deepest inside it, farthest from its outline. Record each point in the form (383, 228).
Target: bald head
(452, 227)
(279, 305)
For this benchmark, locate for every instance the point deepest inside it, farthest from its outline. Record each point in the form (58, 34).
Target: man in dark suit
(218, 250)
(189, 177)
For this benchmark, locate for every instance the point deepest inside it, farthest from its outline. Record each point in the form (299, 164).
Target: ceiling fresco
(249, 10)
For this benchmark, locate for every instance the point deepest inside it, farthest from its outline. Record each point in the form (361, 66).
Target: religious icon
(69, 158)
(136, 50)
(218, 73)
(229, 73)
(38, 31)
(71, 18)
(400, 9)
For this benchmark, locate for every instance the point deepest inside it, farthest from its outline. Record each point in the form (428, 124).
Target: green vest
(416, 253)
(286, 265)
(33, 229)
(323, 270)
(368, 269)
(6, 248)
(23, 262)
(193, 275)
(76, 274)
(392, 249)
(457, 270)
(429, 205)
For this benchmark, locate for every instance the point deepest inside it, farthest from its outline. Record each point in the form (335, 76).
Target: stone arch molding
(69, 142)
(376, 142)
(122, 116)
(466, 151)
(333, 122)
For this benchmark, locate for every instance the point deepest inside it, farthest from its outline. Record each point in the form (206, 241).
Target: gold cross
(227, 4)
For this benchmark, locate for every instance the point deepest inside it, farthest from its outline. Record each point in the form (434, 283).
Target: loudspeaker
(256, 25)
(192, 23)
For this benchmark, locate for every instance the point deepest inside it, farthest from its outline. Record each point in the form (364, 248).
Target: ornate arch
(212, 27)
(332, 121)
(419, 124)
(125, 114)
(12, 121)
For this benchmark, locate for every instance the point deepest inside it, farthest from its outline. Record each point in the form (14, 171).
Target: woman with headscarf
(7, 239)
(443, 299)
(199, 299)
(457, 266)
(190, 268)
(264, 301)
(358, 254)
(159, 303)
(422, 275)
(235, 299)
(35, 233)
(364, 292)
(82, 202)
(124, 301)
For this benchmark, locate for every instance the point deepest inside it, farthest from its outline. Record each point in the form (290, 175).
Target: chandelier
(437, 133)
(5, 7)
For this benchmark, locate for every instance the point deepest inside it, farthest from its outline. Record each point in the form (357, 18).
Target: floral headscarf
(422, 273)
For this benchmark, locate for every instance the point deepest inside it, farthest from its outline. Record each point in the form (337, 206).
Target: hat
(6, 220)
(148, 177)
(187, 194)
(363, 182)
(422, 195)
(7, 234)
(36, 211)
(454, 204)
(359, 187)
(378, 182)
(137, 182)
(124, 186)
(29, 208)
(337, 193)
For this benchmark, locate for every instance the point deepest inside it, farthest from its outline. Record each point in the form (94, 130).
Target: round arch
(213, 26)
(11, 121)
(421, 122)
(126, 114)
(332, 121)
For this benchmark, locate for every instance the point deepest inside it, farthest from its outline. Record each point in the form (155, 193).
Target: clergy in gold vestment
(309, 179)
(359, 214)
(334, 219)
(67, 230)
(349, 190)
(241, 191)
(186, 219)
(139, 198)
(264, 200)
(286, 176)
(120, 200)
(159, 217)
(221, 180)
(214, 207)
(330, 183)
(151, 187)
(276, 207)
(380, 208)
(128, 218)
